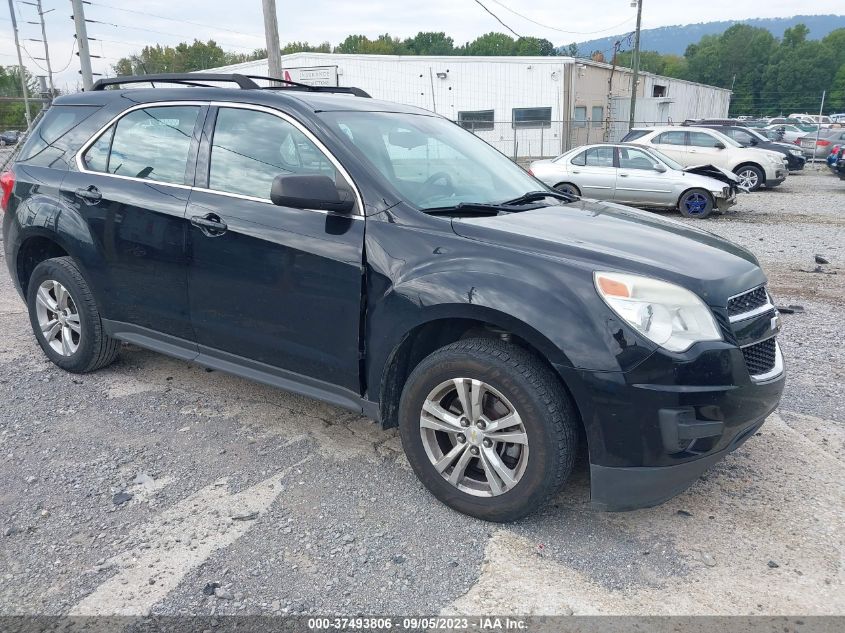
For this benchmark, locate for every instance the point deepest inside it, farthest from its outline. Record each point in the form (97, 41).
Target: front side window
(630, 158)
(250, 148)
(701, 139)
(151, 144)
(671, 138)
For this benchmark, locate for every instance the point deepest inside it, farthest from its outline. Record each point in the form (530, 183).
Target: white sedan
(638, 176)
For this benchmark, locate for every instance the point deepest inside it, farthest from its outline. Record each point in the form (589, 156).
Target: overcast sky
(127, 27)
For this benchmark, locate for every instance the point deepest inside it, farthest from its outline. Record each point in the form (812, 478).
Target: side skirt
(240, 366)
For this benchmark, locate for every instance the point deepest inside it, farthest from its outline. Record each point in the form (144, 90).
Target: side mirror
(309, 191)
(660, 167)
(719, 145)
(754, 140)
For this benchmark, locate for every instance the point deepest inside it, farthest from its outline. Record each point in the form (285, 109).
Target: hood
(711, 171)
(601, 235)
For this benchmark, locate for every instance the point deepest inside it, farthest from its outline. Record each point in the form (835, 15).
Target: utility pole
(82, 44)
(635, 79)
(271, 36)
(21, 69)
(46, 48)
(819, 125)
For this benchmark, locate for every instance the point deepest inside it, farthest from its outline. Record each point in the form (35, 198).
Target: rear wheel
(65, 318)
(750, 177)
(487, 428)
(568, 187)
(696, 203)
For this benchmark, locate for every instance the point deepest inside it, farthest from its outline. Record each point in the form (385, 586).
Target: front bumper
(776, 176)
(795, 163)
(654, 430)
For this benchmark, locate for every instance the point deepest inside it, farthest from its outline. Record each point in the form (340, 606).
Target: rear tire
(696, 203)
(65, 318)
(750, 177)
(568, 187)
(501, 385)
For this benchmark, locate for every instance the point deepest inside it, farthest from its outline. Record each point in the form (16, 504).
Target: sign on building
(313, 75)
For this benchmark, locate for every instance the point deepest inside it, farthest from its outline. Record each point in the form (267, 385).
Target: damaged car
(638, 176)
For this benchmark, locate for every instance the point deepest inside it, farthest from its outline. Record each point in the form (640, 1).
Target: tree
(534, 47)
(570, 51)
(13, 113)
(429, 43)
(490, 44)
(183, 57)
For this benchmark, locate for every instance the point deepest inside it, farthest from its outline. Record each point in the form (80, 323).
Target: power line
(552, 28)
(162, 17)
(139, 28)
(498, 19)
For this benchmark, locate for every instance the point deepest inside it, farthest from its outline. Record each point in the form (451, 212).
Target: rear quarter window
(634, 135)
(52, 143)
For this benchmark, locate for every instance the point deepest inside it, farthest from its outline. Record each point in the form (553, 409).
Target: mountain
(675, 39)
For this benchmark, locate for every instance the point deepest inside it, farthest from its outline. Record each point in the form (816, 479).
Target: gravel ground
(154, 486)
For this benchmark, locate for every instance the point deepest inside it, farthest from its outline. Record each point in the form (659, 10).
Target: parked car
(813, 119)
(412, 274)
(838, 118)
(748, 137)
(787, 133)
(702, 146)
(641, 177)
(840, 165)
(9, 137)
(819, 146)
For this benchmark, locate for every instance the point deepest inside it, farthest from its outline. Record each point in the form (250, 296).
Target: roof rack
(244, 82)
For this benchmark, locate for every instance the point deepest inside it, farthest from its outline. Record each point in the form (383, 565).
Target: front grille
(760, 357)
(747, 301)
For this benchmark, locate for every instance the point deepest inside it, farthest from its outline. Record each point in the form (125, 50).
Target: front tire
(568, 187)
(65, 318)
(751, 177)
(696, 203)
(488, 429)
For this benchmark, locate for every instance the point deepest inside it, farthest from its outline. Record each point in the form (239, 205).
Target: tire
(696, 203)
(568, 187)
(547, 423)
(75, 341)
(751, 176)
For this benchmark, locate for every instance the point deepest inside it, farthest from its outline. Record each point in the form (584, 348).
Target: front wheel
(65, 318)
(487, 428)
(750, 177)
(696, 203)
(568, 187)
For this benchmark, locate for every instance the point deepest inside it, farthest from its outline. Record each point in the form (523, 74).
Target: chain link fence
(546, 139)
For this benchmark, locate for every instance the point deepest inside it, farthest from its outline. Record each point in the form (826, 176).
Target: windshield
(670, 163)
(430, 161)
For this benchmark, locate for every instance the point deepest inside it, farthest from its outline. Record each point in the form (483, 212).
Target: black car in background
(378, 257)
(749, 137)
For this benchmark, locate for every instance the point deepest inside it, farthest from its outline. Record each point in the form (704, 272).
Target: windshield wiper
(534, 196)
(472, 208)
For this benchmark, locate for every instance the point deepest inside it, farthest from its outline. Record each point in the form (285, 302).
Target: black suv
(383, 259)
(749, 137)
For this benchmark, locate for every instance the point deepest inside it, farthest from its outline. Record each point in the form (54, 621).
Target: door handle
(210, 224)
(91, 194)
(624, 175)
(576, 171)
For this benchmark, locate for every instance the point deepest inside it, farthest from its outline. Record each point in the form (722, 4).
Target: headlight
(671, 316)
(796, 152)
(775, 160)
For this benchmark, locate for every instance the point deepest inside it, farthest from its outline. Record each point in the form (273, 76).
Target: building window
(532, 117)
(476, 120)
(580, 116)
(658, 91)
(598, 116)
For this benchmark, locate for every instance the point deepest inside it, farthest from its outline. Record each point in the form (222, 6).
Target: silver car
(639, 176)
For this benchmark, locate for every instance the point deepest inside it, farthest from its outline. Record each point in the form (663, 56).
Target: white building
(525, 106)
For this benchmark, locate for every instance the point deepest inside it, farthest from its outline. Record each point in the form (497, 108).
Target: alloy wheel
(474, 437)
(748, 178)
(58, 317)
(695, 203)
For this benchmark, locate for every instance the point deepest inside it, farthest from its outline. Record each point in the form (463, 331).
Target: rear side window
(152, 143)
(595, 157)
(250, 148)
(634, 135)
(671, 138)
(48, 142)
